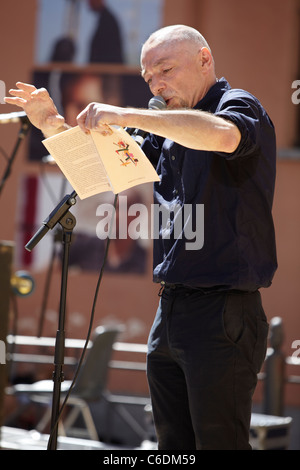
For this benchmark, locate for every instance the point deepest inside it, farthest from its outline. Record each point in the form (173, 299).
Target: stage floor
(20, 439)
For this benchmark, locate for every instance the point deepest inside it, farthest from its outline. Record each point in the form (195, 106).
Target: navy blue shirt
(223, 200)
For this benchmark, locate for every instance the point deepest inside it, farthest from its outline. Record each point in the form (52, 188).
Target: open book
(94, 163)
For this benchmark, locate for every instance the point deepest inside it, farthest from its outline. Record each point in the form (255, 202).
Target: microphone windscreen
(157, 102)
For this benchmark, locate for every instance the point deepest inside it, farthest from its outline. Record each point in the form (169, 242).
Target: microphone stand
(57, 237)
(23, 132)
(63, 216)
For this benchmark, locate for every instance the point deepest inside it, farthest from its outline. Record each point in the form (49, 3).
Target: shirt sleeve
(245, 111)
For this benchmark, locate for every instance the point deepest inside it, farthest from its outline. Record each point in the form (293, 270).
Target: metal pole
(6, 259)
(275, 371)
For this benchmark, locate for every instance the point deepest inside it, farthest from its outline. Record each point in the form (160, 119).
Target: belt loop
(162, 288)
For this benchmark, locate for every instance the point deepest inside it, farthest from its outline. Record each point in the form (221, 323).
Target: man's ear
(205, 58)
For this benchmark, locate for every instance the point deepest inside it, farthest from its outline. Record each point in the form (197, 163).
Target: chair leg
(45, 421)
(86, 413)
(83, 408)
(71, 417)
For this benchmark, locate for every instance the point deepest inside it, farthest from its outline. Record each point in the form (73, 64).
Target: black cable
(4, 154)
(90, 326)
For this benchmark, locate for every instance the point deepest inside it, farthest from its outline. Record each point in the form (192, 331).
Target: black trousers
(204, 353)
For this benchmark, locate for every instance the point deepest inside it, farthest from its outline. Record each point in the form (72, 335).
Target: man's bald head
(177, 33)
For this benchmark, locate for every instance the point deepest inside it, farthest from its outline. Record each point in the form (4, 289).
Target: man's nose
(157, 86)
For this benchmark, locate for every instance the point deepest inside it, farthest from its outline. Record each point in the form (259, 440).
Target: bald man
(213, 147)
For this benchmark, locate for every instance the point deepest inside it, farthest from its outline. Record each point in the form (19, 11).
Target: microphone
(157, 102)
(14, 117)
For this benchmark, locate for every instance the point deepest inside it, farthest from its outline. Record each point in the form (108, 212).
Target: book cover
(94, 163)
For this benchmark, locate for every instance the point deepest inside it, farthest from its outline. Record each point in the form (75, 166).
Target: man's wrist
(50, 133)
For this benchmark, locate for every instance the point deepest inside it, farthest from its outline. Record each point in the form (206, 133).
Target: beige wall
(255, 47)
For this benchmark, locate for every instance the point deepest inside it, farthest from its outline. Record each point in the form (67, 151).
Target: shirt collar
(210, 101)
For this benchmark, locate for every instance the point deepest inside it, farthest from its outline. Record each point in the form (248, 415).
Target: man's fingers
(104, 129)
(88, 123)
(81, 121)
(29, 91)
(26, 87)
(84, 120)
(19, 93)
(96, 117)
(16, 101)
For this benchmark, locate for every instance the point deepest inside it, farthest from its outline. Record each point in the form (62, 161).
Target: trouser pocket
(233, 318)
(245, 325)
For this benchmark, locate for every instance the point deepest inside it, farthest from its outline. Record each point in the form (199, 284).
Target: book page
(77, 157)
(94, 163)
(125, 163)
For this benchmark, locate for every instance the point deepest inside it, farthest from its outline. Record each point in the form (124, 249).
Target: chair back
(92, 377)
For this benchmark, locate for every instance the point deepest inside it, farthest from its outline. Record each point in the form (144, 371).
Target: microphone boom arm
(55, 217)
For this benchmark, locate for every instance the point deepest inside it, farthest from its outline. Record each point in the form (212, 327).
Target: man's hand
(39, 108)
(99, 116)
